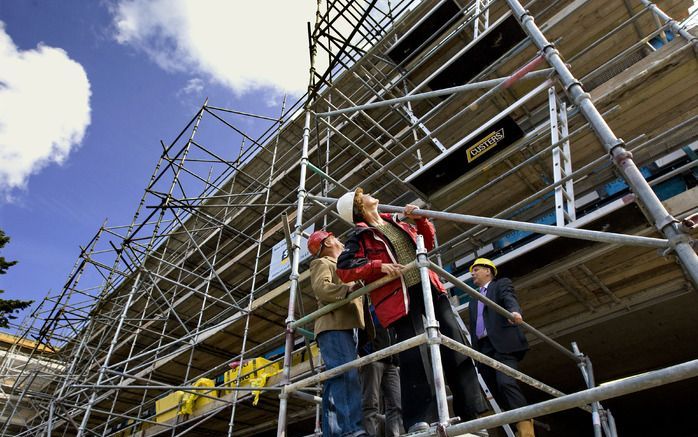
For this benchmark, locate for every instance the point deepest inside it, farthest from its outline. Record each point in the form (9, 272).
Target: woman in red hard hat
(380, 245)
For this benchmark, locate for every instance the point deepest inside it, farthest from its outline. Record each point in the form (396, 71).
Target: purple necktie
(480, 322)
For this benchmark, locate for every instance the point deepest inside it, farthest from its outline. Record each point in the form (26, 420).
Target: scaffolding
(210, 271)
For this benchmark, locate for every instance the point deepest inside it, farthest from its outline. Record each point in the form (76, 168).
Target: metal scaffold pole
(588, 376)
(134, 288)
(154, 309)
(623, 160)
(293, 290)
(73, 363)
(90, 325)
(675, 27)
(432, 330)
(609, 390)
(258, 256)
(298, 230)
(44, 336)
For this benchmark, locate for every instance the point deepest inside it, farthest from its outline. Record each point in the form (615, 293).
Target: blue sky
(89, 88)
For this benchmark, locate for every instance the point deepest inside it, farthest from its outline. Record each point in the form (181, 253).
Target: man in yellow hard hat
(498, 337)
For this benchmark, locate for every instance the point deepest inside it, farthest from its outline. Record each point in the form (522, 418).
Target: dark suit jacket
(505, 337)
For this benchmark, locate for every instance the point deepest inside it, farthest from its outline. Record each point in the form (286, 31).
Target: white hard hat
(345, 206)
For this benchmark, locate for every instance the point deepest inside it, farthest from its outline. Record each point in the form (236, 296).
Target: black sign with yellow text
(456, 163)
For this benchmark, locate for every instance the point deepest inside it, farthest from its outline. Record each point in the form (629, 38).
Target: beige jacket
(328, 288)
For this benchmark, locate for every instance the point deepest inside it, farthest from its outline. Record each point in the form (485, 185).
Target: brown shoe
(492, 432)
(525, 428)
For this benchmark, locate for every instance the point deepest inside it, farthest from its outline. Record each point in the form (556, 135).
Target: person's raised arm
(424, 226)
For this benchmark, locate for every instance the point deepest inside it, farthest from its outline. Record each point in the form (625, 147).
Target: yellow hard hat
(484, 262)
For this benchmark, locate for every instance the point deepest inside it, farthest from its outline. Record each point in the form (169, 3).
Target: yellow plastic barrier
(301, 356)
(250, 369)
(253, 373)
(166, 408)
(257, 383)
(193, 400)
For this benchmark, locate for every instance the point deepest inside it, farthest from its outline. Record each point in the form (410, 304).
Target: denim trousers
(341, 395)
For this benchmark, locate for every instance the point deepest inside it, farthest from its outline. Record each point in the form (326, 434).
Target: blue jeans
(341, 395)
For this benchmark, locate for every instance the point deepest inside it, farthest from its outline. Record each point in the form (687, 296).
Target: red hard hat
(315, 241)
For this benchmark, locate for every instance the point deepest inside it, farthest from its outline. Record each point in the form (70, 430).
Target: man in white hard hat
(379, 246)
(498, 337)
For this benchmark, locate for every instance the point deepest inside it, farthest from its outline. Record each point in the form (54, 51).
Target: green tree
(9, 307)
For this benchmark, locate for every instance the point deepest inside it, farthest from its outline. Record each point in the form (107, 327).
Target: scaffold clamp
(675, 240)
(526, 15)
(582, 96)
(668, 220)
(433, 324)
(423, 261)
(690, 223)
(552, 50)
(621, 156)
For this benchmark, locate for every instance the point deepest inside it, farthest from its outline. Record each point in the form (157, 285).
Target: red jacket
(364, 253)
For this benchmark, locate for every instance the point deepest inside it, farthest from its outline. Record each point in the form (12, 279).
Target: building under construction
(558, 138)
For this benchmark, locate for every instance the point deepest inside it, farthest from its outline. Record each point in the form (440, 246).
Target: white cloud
(193, 86)
(45, 109)
(243, 45)
(192, 94)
